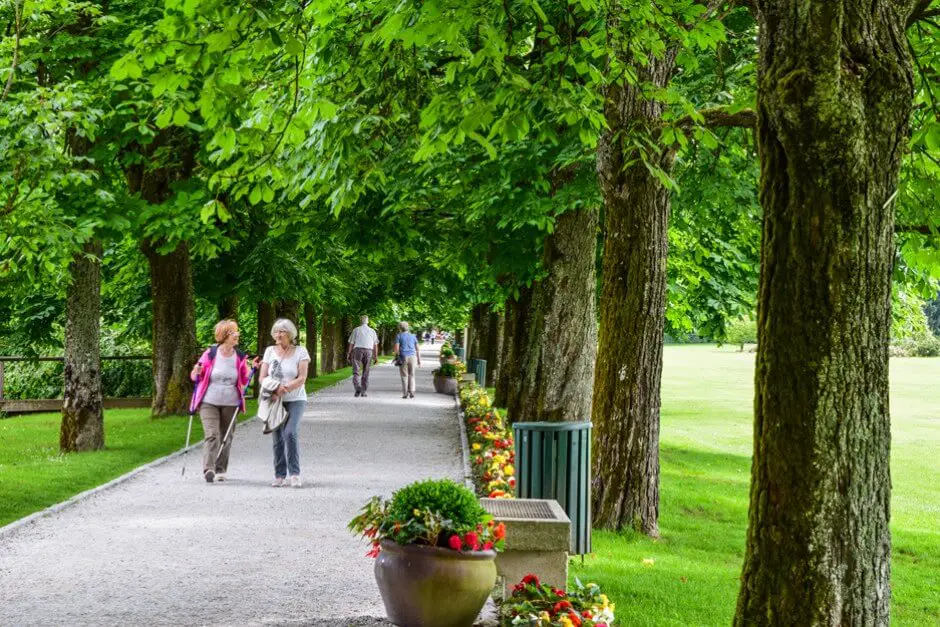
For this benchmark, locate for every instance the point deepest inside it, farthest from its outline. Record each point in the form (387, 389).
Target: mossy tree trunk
(228, 307)
(266, 319)
(328, 346)
(509, 393)
(495, 335)
(625, 490)
(171, 275)
(556, 347)
(310, 322)
(82, 427)
(835, 90)
(174, 328)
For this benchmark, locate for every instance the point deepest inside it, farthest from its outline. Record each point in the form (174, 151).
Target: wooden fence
(25, 406)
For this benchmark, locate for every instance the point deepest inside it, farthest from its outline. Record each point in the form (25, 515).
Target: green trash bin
(458, 351)
(553, 461)
(478, 368)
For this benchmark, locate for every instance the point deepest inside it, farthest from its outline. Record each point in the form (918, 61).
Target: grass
(706, 436)
(34, 475)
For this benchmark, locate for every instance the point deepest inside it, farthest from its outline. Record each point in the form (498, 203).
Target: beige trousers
(407, 372)
(215, 422)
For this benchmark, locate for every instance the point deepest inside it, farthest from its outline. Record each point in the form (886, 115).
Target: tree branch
(922, 11)
(719, 117)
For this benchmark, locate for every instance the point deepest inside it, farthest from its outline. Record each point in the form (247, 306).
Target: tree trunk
(288, 309)
(521, 311)
(265, 322)
(835, 89)
(478, 328)
(494, 348)
(389, 334)
(333, 345)
(625, 491)
(174, 328)
(506, 381)
(228, 307)
(171, 277)
(557, 346)
(310, 321)
(82, 413)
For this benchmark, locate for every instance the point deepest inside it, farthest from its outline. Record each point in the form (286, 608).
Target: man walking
(363, 349)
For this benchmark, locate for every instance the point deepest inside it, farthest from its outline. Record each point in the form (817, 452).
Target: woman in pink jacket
(221, 375)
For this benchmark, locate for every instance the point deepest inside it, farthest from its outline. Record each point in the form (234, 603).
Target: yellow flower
(566, 622)
(509, 470)
(477, 447)
(417, 512)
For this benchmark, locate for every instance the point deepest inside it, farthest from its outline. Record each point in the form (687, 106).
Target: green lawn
(33, 475)
(705, 460)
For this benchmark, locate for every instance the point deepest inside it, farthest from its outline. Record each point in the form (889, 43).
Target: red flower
(471, 540)
(531, 579)
(454, 542)
(587, 614)
(487, 546)
(375, 551)
(561, 605)
(574, 618)
(500, 532)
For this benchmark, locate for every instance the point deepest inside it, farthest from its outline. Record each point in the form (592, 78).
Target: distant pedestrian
(406, 347)
(288, 363)
(363, 349)
(222, 372)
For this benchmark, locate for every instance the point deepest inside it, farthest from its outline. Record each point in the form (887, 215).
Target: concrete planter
(445, 385)
(415, 581)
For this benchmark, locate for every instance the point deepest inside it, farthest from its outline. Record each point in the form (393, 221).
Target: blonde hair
(283, 324)
(224, 329)
(403, 326)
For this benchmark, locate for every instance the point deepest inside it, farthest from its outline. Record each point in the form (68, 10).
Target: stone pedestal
(538, 534)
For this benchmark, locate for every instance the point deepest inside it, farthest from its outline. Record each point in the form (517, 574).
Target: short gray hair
(403, 326)
(364, 319)
(283, 324)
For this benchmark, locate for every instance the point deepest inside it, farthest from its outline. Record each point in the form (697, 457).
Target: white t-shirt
(285, 369)
(363, 336)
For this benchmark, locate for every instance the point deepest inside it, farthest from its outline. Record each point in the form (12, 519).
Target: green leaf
(255, 196)
(165, 117)
(293, 47)
(180, 118)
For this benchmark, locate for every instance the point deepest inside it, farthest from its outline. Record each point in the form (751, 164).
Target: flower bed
(537, 605)
(492, 455)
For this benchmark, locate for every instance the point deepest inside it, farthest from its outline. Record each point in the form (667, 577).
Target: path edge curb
(17, 525)
(464, 445)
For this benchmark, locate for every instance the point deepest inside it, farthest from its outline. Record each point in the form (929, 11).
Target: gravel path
(161, 550)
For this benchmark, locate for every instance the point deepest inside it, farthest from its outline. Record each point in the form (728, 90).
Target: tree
(835, 91)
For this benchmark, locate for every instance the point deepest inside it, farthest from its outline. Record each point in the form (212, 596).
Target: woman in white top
(287, 363)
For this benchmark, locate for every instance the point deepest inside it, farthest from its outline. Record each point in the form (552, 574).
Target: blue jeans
(285, 437)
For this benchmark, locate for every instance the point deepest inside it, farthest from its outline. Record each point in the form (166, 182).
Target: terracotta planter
(445, 385)
(415, 581)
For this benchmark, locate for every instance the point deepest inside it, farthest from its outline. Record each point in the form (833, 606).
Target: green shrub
(742, 331)
(447, 352)
(923, 346)
(454, 502)
(448, 370)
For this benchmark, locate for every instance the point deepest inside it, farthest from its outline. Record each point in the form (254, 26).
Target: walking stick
(228, 431)
(189, 430)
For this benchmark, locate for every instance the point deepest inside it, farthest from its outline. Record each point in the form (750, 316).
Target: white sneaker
(220, 476)
(295, 481)
(278, 482)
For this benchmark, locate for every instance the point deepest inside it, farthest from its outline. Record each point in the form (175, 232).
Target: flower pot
(427, 586)
(445, 385)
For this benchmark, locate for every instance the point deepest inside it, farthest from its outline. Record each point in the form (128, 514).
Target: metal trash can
(478, 368)
(459, 351)
(553, 461)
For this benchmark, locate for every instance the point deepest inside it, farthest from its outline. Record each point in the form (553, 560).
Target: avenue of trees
(571, 181)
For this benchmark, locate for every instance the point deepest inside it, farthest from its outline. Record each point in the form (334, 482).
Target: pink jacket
(208, 361)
